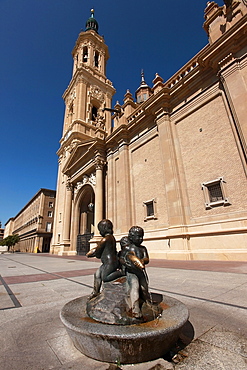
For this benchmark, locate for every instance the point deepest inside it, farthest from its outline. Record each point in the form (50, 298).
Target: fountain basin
(124, 343)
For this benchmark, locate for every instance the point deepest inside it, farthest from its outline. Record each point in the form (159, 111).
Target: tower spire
(144, 91)
(91, 23)
(142, 78)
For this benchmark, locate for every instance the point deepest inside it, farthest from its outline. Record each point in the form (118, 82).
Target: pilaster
(176, 215)
(67, 213)
(124, 213)
(99, 190)
(231, 75)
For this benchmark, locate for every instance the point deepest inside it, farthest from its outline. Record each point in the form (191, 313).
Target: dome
(91, 23)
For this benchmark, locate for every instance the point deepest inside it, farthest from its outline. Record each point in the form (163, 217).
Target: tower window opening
(96, 59)
(85, 54)
(94, 113)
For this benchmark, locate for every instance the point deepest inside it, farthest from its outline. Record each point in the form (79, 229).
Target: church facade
(172, 159)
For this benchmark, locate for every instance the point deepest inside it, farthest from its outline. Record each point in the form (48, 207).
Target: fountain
(123, 322)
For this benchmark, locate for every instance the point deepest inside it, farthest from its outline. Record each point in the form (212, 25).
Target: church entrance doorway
(86, 221)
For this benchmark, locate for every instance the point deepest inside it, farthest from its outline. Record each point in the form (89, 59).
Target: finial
(128, 96)
(143, 82)
(92, 11)
(157, 83)
(142, 76)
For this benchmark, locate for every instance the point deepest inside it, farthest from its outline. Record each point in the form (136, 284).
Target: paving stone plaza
(35, 287)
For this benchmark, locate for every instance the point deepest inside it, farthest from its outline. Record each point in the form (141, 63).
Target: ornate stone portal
(123, 322)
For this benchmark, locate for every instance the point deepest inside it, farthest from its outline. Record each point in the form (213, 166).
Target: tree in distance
(10, 241)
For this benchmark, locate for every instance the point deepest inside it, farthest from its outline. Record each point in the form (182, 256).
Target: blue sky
(36, 40)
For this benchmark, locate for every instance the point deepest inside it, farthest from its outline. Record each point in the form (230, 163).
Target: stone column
(98, 215)
(110, 187)
(67, 211)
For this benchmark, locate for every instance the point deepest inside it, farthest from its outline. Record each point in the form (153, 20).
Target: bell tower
(82, 153)
(89, 91)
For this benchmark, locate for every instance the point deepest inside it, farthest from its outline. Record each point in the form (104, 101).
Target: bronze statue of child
(107, 252)
(134, 257)
(124, 242)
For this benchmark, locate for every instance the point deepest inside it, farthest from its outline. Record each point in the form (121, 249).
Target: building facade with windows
(174, 161)
(34, 223)
(1, 231)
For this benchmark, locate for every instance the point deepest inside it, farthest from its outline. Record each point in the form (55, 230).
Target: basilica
(171, 159)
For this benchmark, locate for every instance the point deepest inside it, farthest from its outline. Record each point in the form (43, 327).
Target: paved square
(34, 288)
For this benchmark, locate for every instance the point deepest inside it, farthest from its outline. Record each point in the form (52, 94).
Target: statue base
(112, 305)
(127, 344)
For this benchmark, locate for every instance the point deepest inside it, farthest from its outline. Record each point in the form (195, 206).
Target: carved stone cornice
(226, 60)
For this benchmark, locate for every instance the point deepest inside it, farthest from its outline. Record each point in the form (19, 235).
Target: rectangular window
(150, 210)
(49, 213)
(48, 227)
(50, 204)
(215, 193)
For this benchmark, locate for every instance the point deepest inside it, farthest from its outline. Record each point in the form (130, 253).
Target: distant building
(34, 223)
(175, 159)
(1, 232)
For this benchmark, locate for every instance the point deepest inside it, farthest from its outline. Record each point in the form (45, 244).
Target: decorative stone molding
(69, 185)
(226, 60)
(85, 179)
(80, 79)
(99, 121)
(72, 145)
(108, 82)
(99, 163)
(97, 93)
(91, 179)
(78, 186)
(72, 95)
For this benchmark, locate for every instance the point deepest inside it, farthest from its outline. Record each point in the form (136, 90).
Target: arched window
(96, 59)
(85, 54)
